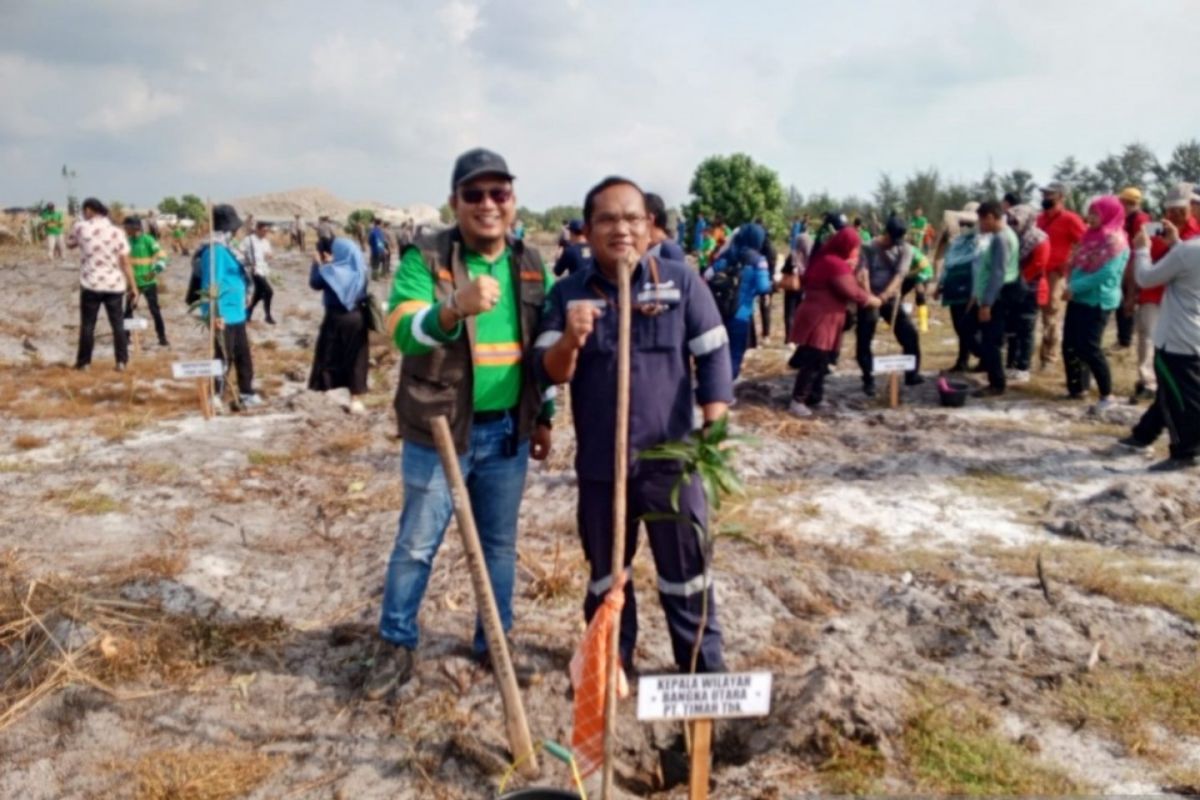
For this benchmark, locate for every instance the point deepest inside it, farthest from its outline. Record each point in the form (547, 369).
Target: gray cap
(1055, 187)
(477, 163)
(1179, 196)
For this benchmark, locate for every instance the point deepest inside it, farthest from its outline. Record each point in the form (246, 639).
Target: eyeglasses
(613, 220)
(474, 197)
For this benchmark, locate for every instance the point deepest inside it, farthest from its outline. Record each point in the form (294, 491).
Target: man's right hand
(477, 297)
(875, 302)
(581, 321)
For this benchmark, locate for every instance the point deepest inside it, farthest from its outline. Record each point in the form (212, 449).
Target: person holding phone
(1147, 301)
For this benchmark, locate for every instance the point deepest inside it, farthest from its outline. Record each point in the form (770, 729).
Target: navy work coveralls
(675, 323)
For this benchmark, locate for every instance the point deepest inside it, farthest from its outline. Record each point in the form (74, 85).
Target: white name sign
(718, 695)
(137, 324)
(881, 365)
(198, 369)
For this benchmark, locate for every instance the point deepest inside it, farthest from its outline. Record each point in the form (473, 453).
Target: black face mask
(1047, 205)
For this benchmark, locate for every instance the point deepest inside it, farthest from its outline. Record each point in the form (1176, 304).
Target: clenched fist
(581, 321)
(479, 296)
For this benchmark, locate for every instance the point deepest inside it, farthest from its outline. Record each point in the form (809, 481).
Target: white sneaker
(1102, 405)
(251, 401)
(356, 407)
(1019, 376)
(797, 409)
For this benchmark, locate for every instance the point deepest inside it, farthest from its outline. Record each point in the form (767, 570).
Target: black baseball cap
(476, 163)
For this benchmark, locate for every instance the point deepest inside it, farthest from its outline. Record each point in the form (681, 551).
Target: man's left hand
(985, 313)
(539, 443)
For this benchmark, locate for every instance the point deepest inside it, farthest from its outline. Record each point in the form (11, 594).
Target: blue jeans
(739, 340)
(495, 483)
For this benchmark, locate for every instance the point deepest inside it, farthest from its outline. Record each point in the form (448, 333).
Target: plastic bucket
(956, 397)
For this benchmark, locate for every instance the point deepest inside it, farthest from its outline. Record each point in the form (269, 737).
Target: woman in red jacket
(1022, 315)
(829, 285)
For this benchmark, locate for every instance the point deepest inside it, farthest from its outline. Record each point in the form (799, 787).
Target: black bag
(726, 287)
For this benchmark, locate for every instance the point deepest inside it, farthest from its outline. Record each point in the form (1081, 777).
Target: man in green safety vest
(148, 260)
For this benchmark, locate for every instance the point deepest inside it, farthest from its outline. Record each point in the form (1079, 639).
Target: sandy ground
(189, 606)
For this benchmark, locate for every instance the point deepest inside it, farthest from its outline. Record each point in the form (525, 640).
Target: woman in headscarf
(1034, 290)
(954, 284)
(1093, 292)
(340, 271)
(829, 285)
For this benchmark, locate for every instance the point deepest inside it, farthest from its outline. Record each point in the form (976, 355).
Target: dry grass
(345, 443)
(852, 769)
(56, 632)
(1002, 487)
(108, 400)
(1127, 703)
(260, 458)
(84, 501)
(200, 775)
(1103, 571)
(951, 747)
(14, 467)
(27, 441)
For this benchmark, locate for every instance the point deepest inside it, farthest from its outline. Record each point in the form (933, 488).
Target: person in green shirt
(464, 309)
(148, 261)
(52, 226)
(918, 230)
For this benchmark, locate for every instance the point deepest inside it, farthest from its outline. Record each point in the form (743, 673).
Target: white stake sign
(197, 369)
(717, 695)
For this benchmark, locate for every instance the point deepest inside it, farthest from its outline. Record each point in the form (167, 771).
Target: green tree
(187, 207)
(1081, 180)
(446, 214)
(552, 218)
(1019, 182)
(888, 197)
(1136, 166)
(793, 204)
(921, 191)
(738, 190)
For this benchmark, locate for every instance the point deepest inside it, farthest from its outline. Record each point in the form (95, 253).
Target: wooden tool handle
(519, 740)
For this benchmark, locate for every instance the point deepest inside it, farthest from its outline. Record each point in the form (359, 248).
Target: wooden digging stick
(519, 741)
(206, 404)
(620, 473)
(701, 759)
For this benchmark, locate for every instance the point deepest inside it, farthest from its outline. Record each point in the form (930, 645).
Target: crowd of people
(487, 333)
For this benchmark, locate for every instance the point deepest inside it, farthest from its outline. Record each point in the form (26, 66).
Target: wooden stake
(894, 390)
(620, 477)
(701, 759)
(212, 308)
(202, 391)
(519, 740)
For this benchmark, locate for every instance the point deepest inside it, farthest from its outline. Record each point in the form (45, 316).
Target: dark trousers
(1083, 331)
(1020, 325)
(1176, 405)
(990, 336)
(904, 331)
(678, 558)
(764, 311)
(232, 341)
(791, 301)
(964, 329)
(813, 364)
(262, 292)
(150, 295)
(1125, 322)
(89, 310)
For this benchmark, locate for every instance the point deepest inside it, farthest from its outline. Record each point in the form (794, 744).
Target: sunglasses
(474, 197)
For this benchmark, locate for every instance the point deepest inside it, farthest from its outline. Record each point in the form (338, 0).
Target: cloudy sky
(145, 98)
